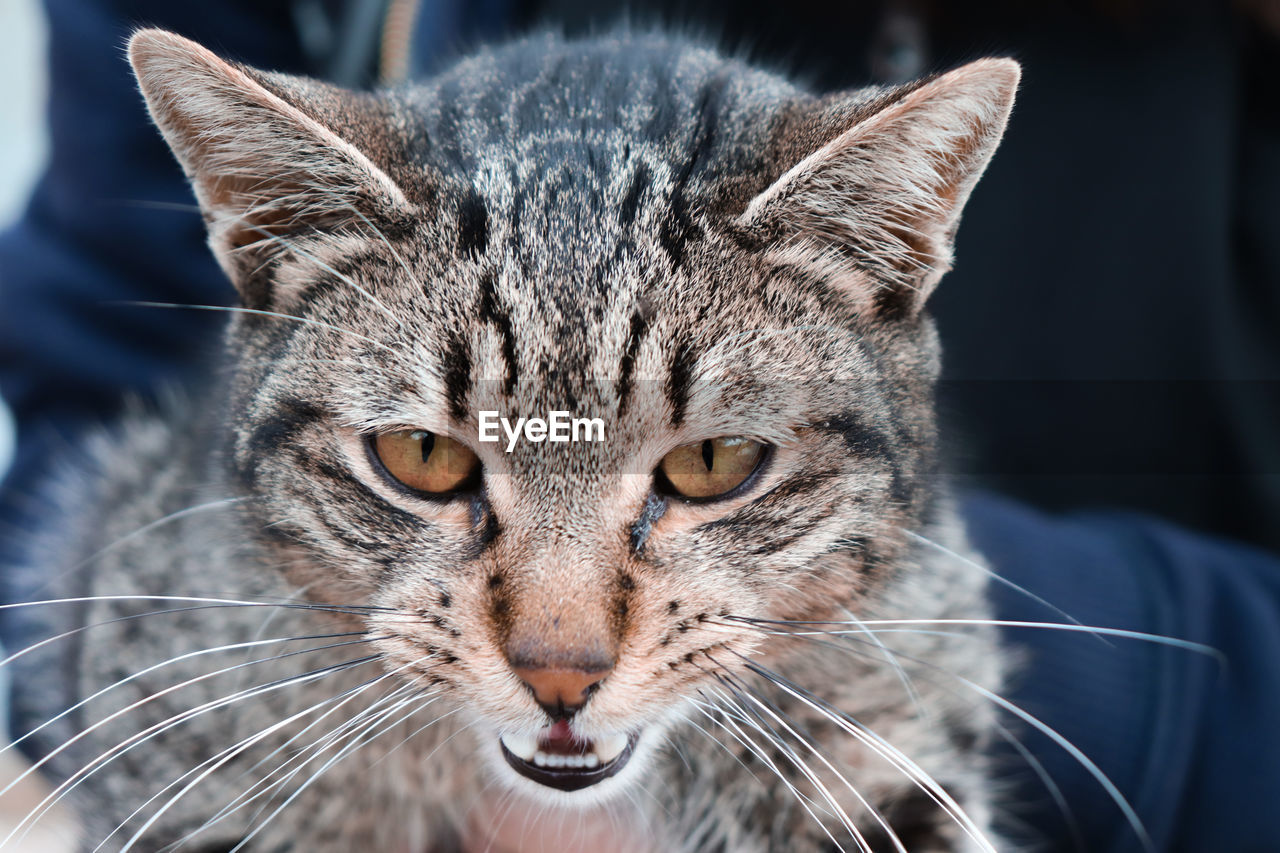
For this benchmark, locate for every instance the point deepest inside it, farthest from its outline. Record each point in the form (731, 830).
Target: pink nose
(561, 691)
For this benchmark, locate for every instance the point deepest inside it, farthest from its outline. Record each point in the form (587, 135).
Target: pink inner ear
(239, 140)
(261, 164)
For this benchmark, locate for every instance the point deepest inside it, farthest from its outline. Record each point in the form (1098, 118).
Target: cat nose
(561, 654)
(562, 691)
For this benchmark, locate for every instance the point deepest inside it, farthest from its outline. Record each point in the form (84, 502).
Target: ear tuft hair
(262, 166)
(883, 192)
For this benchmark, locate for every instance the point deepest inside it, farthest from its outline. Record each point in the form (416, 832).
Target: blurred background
(22, 129)
(23, 145)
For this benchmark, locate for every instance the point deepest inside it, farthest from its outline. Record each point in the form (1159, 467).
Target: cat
(323, 615)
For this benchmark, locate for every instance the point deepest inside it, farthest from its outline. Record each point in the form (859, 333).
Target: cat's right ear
(263, 160)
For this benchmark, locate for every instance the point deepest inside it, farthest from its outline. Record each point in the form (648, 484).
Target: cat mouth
(559, 759)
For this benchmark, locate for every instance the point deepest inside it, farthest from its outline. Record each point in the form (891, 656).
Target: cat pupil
(708, 454)
(428, 440)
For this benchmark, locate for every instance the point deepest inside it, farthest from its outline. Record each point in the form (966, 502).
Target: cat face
(726, 274)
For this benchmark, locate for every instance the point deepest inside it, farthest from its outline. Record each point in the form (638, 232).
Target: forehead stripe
(280, 428)
(473, 226)
(680, 376)
(678, 227)
(631, 202)
(627, 365)
(457, 376)
(491, 311)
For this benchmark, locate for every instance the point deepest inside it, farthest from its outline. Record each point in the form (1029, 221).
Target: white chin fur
(610, 747)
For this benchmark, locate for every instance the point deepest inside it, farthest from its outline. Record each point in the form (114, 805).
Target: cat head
(718, 276)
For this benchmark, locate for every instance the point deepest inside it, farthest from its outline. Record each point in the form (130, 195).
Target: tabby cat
(326, 616)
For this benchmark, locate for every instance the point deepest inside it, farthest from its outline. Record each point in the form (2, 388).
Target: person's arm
(1191, 743)
(112, 220)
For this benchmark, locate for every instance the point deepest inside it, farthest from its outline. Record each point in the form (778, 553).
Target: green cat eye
(426, 461)
(710, 468)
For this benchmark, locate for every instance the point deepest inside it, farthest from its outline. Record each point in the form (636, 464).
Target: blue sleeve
(1192, 743)
(111, 220)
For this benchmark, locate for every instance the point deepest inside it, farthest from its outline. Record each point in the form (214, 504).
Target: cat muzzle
(559, 759)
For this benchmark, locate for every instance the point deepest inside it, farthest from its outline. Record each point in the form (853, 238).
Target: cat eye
(426, 461)
(711, 468)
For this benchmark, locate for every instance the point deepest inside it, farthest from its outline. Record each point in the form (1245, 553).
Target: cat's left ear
(876, 188)
(268, 155)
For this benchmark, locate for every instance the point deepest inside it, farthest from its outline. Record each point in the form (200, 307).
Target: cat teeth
(590, 761)
(604, 750)
(521, 746)
(610, 747)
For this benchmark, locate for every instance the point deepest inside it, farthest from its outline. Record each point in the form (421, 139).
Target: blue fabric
(1192, 743)
(107, 224)
(447, 28)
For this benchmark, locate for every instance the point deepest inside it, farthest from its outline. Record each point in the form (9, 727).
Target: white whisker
(744, 691)
(230, 309)
(885, 750)
(355, 743)
(345, 279)
(1000, 579)
(187, 656)
(729, 724)
(142, 531)
(231, 753)
(1131, 816)
(137, 739)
